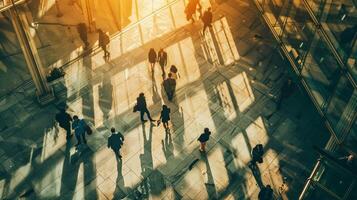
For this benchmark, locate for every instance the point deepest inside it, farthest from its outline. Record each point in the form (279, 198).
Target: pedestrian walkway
(230, 79)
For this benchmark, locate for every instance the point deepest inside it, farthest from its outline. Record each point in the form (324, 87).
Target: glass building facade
(318, 37)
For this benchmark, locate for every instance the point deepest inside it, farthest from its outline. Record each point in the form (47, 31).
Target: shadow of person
(155, 94)
(120, 189)
(209, 184)
(146, 162)
(105, 96)
(167, 146)
(256, 173)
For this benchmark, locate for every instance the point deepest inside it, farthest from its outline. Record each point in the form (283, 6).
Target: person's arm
(121, 136)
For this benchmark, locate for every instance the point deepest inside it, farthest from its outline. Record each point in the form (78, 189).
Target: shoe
(120, 156)
(143, 121)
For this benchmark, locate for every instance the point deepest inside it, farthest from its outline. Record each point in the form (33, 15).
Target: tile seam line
(95, 48)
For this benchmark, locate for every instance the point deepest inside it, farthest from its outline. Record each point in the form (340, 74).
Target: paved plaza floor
(230, 81)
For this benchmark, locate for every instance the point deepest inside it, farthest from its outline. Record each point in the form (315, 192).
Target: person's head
(164, 107)
(207, 131)
(169, 75)
(112, 130)
(152, 49)
(268, 186)
(209, 9)
(141, 94)
(75, 117)
(161, 49)
(100, 31)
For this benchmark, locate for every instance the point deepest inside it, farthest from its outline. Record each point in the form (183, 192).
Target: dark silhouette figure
(165, 117)
(174, 72)
(266, 193)
(115, 141)
(286, 91)
(167, 146)
(142, 107)
(103, 43)
(257, 154)
(64, 120)
(204, 137)
(170, 87)
(82, 31)
(207, 19)
(162, 59)
(152, 58)
(79, 127)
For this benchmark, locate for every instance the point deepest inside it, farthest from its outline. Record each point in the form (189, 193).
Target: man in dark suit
(115, 141)
(162, 59)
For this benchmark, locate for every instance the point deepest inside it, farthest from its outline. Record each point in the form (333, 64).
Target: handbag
(135, 109)
(88, 130)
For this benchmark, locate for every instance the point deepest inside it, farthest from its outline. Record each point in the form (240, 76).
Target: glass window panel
(338, 19)
(334, 179)
(320, 70)
(339, 101)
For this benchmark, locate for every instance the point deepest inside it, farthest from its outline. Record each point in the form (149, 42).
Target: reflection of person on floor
(142, 107)
(162, 59)
(266, 193)
(207, 19)
(103, 43)
(165, 117)
(152, 58)
(170, 87)
(79, 127)
(115, 141)
(64, 120)
(204, 137)
(82, 31)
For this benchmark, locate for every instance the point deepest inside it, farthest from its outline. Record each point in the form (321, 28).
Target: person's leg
(148, 114)
(68, 130)
(84, 137)
(142, 116)
(78, 137)
(165, 125)
(162, 69)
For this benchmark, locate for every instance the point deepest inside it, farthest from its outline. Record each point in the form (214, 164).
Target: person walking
(103, 43)
(115, 141)
(174, 72)
(170, 87)
(82, 31)
(165, 117)
(142, 107)
(152, 58)
(64, 120)
(204, 137)
(207, 19)
(79, 127)
(162, 59)
(266, 193)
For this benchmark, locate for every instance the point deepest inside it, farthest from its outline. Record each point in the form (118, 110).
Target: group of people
(169, 82)
(79, 126)
(194, 6)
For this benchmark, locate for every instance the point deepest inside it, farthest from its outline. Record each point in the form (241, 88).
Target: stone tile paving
(223, 86)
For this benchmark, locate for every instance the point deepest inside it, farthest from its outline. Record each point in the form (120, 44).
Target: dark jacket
(162, 58)
(207, 17)
(63, 118)
(152, 56)
(204, 137)
(165, 115)
(115, 141)
(141, 103)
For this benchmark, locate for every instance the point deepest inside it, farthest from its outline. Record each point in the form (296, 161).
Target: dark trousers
(142, 112)
(81, 138)
(66, 127)
(205, 26)
(106, 52)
